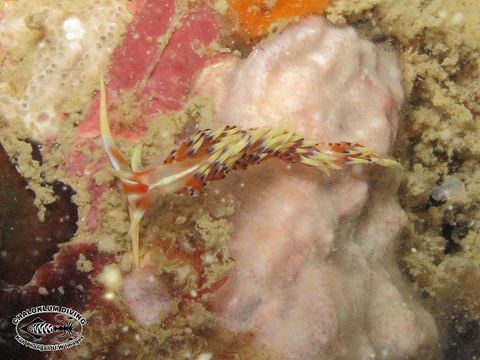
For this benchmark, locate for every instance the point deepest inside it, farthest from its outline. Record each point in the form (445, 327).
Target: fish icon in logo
(38, 328)
(49, 327)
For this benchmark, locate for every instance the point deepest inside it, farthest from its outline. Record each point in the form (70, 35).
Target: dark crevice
(455, 163)
(36, 153)
(25, 242)
(462, 336)
(451, 246)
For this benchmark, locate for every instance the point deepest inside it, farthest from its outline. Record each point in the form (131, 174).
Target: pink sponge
(314, 273)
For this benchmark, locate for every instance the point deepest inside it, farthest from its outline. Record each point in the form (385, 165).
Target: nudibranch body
(210, 154)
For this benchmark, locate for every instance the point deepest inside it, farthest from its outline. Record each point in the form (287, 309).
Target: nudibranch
(210, 154)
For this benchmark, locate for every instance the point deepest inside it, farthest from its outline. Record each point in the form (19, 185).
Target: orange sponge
(256, 16)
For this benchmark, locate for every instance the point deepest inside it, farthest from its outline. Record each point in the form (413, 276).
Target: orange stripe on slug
(339, 147)
(220, 175)
(138, 188)
(137, 175)
(195, 184)
(142, 204)
(118, 156)
(181, 153)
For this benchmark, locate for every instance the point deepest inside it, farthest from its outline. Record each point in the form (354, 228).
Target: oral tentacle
(134, 233)
(137, 191)
(136, 161)
(116, 159)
